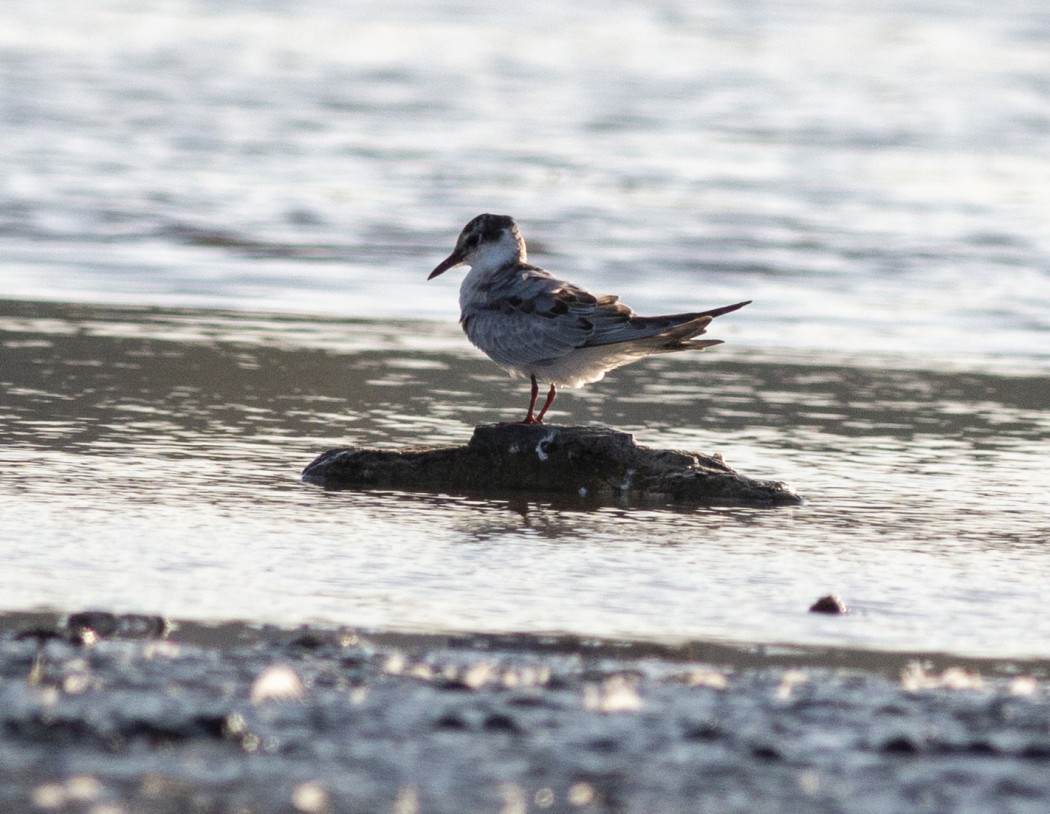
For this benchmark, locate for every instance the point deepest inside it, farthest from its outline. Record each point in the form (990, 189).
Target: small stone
(100, 623)
(900, 745)
(829, 604)
(307, 640)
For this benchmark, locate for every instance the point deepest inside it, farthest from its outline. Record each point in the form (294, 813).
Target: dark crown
(489, 227)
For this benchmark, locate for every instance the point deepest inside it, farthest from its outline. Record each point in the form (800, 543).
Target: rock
(597, 463)
(103, 624)
(829, 604)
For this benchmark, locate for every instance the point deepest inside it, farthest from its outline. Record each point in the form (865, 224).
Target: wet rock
(452, 721)
(900, 745)
(704, 731)
(101, 623)
(500, 722)
(830, 604)
(765, 752)
(596, 463)
(308, 641)
(87, 626)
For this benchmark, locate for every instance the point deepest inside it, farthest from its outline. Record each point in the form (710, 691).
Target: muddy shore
(107, 714)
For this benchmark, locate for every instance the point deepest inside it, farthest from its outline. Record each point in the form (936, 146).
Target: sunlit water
(150, 462)
(875, 177)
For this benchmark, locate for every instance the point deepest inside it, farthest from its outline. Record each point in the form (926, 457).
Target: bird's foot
(524, 422)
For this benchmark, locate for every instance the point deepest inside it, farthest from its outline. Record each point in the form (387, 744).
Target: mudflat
(102, 712)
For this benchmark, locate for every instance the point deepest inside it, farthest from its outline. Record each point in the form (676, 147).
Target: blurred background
(875, 176)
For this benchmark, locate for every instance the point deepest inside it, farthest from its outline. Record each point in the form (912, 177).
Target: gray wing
(528, 317)
(536, 321)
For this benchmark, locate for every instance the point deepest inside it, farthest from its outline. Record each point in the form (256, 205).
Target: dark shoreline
(135, 713)
(223, 634)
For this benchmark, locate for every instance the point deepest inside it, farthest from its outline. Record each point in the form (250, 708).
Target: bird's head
(488, 241)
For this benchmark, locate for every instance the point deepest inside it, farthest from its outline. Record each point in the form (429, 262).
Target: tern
(540, 328)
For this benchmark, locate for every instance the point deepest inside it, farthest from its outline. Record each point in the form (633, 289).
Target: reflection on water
(150, 462)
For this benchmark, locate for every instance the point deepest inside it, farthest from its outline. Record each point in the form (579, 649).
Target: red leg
(546, 405)
(529, 418)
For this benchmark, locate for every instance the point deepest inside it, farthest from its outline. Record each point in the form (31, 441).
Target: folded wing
(533, 319)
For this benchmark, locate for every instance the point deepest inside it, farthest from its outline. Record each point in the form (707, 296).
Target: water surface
(150, 463)
(216, 221)
(875, 176)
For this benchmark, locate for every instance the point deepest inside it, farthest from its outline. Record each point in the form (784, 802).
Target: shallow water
(265, 186)
(149, 462)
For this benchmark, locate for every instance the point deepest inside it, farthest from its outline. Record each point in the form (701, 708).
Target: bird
(540, 328)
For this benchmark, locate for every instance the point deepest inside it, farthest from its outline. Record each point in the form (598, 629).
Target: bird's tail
(717, 312)
(676, 328)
